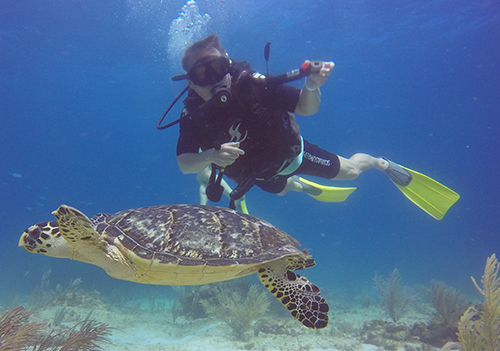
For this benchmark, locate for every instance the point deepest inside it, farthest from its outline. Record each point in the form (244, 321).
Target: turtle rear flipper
(301, 297)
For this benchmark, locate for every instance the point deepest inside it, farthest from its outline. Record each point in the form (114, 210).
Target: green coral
(237, 312)
(396, 296)
(479, 330)
(448, 302)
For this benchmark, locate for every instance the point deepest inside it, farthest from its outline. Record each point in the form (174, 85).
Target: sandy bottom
(144, 330)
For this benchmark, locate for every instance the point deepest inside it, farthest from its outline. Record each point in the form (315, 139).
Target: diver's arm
(309, 102)
(310, 96)
(195, 162)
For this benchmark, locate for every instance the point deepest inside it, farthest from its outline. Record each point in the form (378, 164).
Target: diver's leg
(352, 167)
(322, 163)
(202, 178)
(291, 185)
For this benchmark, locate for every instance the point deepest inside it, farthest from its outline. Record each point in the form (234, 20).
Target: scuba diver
(241, 124)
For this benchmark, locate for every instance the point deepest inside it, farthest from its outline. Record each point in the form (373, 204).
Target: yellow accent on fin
(428, 194)
(329, 193)
(243, 204)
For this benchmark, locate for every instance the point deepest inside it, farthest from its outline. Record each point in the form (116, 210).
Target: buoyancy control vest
(276, 126)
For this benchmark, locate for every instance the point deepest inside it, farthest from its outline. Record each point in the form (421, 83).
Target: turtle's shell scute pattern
(196, 235)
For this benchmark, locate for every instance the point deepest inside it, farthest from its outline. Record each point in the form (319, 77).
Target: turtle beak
(27, 242)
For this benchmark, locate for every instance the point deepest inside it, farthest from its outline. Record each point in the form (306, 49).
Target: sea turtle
(184, 245)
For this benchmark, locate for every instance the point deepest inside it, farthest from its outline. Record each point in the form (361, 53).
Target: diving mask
(208, 70)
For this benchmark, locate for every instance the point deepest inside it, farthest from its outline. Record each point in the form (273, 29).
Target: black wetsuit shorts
(316, 162)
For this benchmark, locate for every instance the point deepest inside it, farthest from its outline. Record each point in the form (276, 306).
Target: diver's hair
(199, 47)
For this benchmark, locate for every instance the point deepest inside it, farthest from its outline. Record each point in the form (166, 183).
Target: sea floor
(133, 329)
(149, 318)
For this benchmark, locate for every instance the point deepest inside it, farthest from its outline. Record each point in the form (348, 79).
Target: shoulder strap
(246, 90)
(192, 101)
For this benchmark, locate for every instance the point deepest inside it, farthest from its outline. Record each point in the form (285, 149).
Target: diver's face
(206, 91)
(209, 70)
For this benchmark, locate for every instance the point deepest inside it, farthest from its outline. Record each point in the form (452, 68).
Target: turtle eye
(34, 233)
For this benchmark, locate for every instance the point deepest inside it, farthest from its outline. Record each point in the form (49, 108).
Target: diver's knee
(290, 185)
(284, 191)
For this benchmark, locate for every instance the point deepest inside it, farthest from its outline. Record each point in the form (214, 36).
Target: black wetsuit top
(270, 136)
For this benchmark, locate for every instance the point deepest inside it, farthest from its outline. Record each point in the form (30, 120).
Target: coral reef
(41, 295)
(190, 301)
(275, 327)
(156, 305)
(395, 296)
(86, 337)
(434, 333)
(237, 312)
(449, 305)
(17, 332)
(393, 336)
(59, 316)
(479, 328)
(384, 334)
(448, 302)
(72, 295)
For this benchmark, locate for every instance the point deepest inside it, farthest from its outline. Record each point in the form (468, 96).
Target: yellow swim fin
(428, 194)
(326, 193)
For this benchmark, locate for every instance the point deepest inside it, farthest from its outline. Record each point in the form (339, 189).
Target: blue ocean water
(83, 83)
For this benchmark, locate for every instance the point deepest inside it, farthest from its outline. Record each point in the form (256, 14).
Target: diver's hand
(317, 79)
(310, 96)
(227, 154)
(195, 162)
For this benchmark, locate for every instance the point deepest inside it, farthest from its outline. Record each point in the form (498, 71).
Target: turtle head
(45, 238)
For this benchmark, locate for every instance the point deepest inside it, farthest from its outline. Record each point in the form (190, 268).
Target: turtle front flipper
(75, 227)
(301, 297)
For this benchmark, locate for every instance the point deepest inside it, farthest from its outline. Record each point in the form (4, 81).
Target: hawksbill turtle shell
(184, 245)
